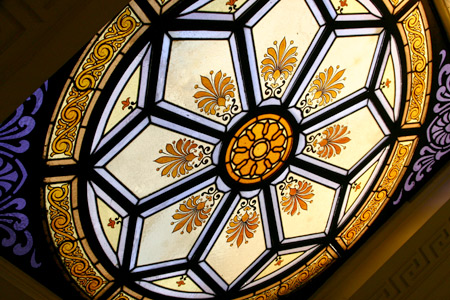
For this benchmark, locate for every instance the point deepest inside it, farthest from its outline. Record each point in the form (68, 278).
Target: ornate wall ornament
(66, 240)
(438, 133)
(420, 55)
(86, 81)
(13, 175)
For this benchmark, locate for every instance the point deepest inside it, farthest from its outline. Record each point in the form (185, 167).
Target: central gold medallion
(259, 148)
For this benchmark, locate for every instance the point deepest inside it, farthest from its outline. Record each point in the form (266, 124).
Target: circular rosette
(259, 148)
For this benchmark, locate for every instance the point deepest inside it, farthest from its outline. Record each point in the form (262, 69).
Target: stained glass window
(232, 149)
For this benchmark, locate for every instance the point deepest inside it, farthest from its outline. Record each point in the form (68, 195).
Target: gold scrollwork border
(320, 262)
(386, 185)
(416, 37)
(75, 101)
(68, 239)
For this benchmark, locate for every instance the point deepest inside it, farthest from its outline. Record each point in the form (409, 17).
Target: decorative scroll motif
(180, 156)
(259, 148)
(295, 195)
(231, 5)
(438, 132)
(216, 96)
(417, 43)
(113, 222)
(330, 142)
(323, 89)
(385, 84)
(182, 281)
(66, 240)
(243, 225)
(128, 104)
(13, 174)
(195, 211)
(278, 64)
(342, 4)
(356, 186)
(79, 96)
(376, 201)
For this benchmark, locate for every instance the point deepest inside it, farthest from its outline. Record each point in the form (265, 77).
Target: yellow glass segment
(137, 168)
(349, 7)
(269, 35)
(353, 56)
(179, 283)
(126, 102)
(304, 206)
(235, 241)
(202, 66)
(387, 85)
(346, 141)
(358, 186)
(111, 223)
(259, 148)
(278, 263)
(171, 233)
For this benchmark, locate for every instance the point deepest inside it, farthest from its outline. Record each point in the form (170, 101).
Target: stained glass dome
(231, 149)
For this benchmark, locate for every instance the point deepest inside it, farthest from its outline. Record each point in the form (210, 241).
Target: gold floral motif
(243, 225)
(191, 214)
(327, 85)
(300, 194)
(330, 142)
(279, 63)
(179, 158)
(67, 243)
(74, 107)
(259, 148)
(323, 89)
(401, 153)
(215, 94)
(417, 43)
